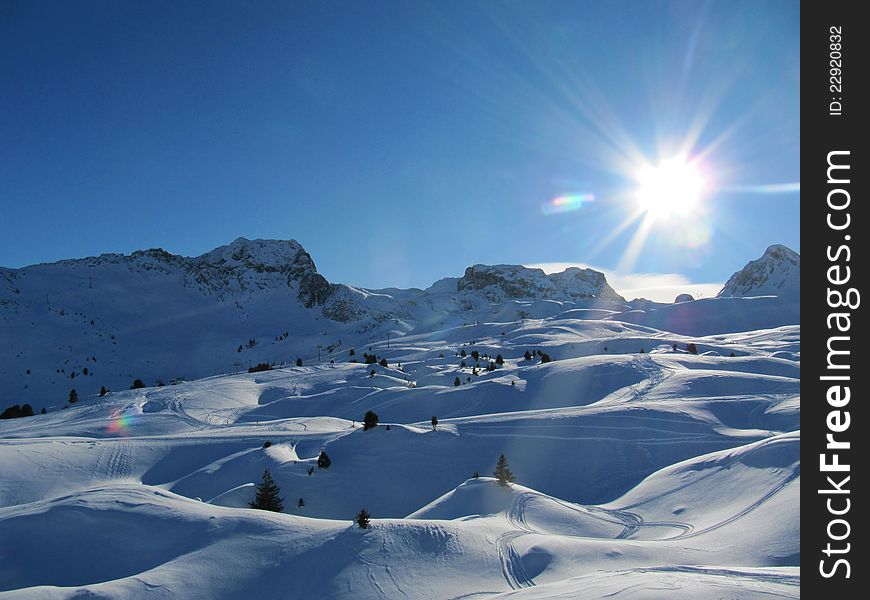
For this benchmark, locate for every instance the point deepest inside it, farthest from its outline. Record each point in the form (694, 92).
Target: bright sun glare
(674, 187)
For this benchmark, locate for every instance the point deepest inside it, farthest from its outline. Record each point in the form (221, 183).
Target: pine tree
(103, 391)
(499, 360)
(73, 396)
(434, 422)
(323, 461)
(42, 412)
(456, 382)
(298, 362)
(363, 518)
(267, 495)
(137, 384)
(370, 421)
(527, 355)
(384, 363)
(502, 472)
(301, 503)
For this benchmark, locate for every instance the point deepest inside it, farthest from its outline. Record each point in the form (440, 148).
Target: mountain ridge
(154, 315)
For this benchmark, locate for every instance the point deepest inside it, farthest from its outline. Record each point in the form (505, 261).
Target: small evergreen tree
(42, 412)
(370, 421)
(527, 355)
(352, 352)
(434, 422)
(73, 396)
(323, 461)
(363, 518)
(384, 363)
(462, 353)
(545, 358)
(456, 382)
(137, 384)
(499, 360)
(475, 355)
(267, 497)
(692, 348)
(502, 472)
(298, 362)
(301, 503)
(103, 391)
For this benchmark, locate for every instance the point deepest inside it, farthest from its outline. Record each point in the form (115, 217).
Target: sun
(672, 188)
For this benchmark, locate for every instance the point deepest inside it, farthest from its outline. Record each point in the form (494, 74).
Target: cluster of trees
(17, 411)
(371, 359)
(545, 358)
(260, 368)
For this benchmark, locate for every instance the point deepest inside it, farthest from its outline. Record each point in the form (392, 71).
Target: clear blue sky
(399, 142)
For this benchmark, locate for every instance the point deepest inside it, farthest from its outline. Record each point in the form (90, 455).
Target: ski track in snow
(205, 435)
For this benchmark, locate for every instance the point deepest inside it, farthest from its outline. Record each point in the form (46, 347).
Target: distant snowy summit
(776, 273)
(157, 316)
(499, 283)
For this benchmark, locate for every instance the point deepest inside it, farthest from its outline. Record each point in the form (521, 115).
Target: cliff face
(512, 282)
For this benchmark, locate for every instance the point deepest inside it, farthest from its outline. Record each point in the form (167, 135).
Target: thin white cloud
(660, 287)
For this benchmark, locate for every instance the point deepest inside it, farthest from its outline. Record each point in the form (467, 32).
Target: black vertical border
(821, 133)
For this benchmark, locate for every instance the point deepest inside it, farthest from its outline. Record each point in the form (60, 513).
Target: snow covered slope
(657, 449)
(108, 320)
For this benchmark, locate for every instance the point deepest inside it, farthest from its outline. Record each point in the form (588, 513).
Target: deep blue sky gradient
(399, 142)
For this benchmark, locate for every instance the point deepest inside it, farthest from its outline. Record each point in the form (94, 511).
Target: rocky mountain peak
(513, 282)
(776, 273)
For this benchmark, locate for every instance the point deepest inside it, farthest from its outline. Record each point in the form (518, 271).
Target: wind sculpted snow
(646, 458)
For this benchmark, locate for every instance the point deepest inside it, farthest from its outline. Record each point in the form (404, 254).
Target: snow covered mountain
(105, 321)
(657, 446)
(776, 273)
(511, 282)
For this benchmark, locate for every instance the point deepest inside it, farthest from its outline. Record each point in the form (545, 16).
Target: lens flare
(567, 203)
(119, 424)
